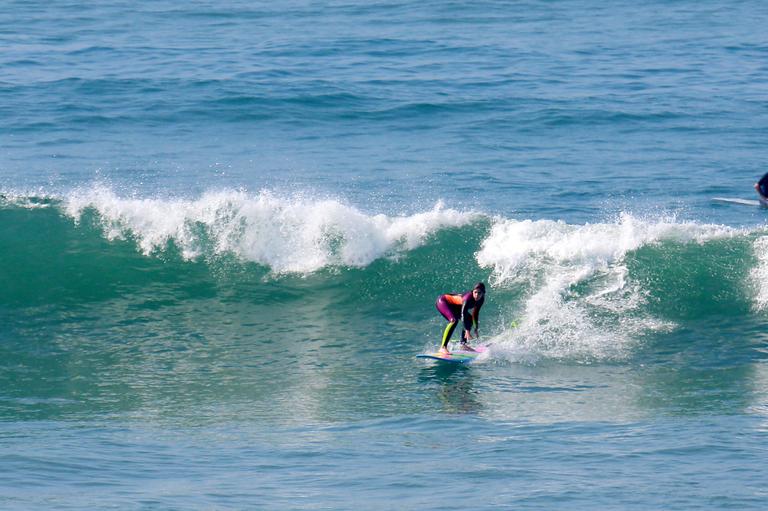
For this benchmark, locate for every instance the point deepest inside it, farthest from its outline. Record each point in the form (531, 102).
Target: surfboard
(743, 202)
(455, 357)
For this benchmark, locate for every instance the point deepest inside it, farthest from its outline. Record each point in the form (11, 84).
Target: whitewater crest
(759, 274)
(294, 234)
(579, 298)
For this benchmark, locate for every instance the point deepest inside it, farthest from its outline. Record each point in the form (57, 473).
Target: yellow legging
(448, 332)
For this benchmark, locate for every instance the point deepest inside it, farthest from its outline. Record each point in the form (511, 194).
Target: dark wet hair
(480, 287)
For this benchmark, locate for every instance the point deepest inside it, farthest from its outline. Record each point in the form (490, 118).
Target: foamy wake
(580, 300)
(288, 234)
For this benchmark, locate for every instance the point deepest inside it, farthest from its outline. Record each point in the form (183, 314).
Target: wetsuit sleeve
(476, 312)
(466, 317)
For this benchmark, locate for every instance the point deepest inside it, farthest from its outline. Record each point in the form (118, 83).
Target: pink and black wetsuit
(460, 307)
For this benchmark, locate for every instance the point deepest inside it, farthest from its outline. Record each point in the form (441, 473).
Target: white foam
(549, 260)
(288, 234)
(759, 274)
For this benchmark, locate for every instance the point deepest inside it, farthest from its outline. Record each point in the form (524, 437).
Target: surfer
(461, 307)
(762, 189)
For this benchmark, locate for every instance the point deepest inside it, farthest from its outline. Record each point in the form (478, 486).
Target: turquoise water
(223, 227)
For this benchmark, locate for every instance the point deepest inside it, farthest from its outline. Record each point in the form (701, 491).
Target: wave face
(558, 291)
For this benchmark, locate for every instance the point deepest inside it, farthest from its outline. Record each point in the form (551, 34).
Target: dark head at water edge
(762, 189)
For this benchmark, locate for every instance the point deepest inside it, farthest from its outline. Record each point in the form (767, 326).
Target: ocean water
(223, 227)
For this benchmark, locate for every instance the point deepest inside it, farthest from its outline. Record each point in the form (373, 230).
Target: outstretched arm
(467, 319)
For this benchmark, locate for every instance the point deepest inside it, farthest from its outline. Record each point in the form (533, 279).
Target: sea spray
(580, 299)
(293, 234)
(759, 274)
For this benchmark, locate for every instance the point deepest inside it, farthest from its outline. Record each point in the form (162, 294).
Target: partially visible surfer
(762, 189)
(464, 308)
